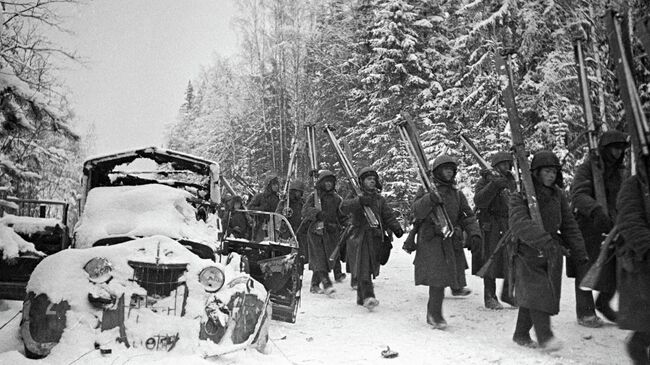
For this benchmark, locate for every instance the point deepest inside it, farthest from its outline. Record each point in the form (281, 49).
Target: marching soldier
(538, 252)
(366, 244)
(324, 228)
(440, 262)
(595, 222)
(491, 198)
(633, 221)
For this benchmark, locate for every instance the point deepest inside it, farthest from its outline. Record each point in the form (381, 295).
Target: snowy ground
(336, 330)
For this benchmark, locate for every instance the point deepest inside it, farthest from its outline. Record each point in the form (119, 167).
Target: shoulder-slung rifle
(507, 91)
(284, 204)
(592, 133)
(313, 161)
(471, 147)
(508, 234)
(352, 175)
(411, 140)
(636, 122)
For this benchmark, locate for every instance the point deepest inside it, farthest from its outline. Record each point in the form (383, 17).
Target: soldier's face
(328, 185)
(447, 172)
(369, 182)
(236, 205)
(504, 166)
(275, 187)
(547, 175)
(616, 151)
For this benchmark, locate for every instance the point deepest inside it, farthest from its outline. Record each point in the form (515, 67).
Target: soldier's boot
(370, 303)
(434, 308)
(489, 294)
(552, 345)
(602, 305)
(315, 283)
(339, 276)
(354, 284)
(590, 321)
(328, 288)
(637, 348)
(461, 292)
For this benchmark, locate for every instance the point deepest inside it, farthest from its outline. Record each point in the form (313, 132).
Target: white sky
(139, 55)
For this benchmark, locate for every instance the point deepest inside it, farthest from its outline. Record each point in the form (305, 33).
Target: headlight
(211, 278)
(99, 270)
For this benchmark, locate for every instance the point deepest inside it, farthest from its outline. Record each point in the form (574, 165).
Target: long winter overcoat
(633, 256)
(492, 204)
(322, 245)
(362, 232)
(584, 203)
(538, 251)
(441, 262)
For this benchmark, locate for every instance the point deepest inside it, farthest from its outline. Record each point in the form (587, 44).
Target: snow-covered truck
(29, 230)
(145, 268)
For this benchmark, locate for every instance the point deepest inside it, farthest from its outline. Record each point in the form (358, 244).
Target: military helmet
(442, 160)
(297, 185)
(364, 172)
(545, 159)
(612, 137)
(322, 174)
(499, 157)
(367, 171)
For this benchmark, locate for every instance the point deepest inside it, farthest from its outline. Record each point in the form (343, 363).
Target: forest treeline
(356, 65)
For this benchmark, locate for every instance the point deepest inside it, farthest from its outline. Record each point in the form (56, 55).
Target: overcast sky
(140, 56)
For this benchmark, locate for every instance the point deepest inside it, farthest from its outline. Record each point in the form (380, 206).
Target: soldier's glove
(399, 232)
(409, 244)
(365, 200)
(601, 220)
(475, 244)
(434, 199)
(501, 183)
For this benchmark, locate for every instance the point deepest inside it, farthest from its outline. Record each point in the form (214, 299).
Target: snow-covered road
(336, 330)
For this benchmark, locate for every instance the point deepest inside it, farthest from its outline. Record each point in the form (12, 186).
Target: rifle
(412, 141)
(242, 182)
(500, 245)
(471, 147)
(337, 250)
(352, 176)
(596, 165)
(593, 275)
(523, 168)
(283, 204)
(634, 115)
(227, 185)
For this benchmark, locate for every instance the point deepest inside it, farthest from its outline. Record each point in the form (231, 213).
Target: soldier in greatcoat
(538, 252)
(324, 226)
(596, 221)
(439, 261)
(491, 199)
(366, 245)
(633, 256)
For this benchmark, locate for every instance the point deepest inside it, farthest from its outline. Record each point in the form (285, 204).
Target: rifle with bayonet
(351, 175)
(592, 133)
(471, 147)
(283, 205)
(411, 139)
(522, 168)
(636, 121)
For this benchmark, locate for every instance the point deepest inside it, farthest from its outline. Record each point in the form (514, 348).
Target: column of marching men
(530, 264)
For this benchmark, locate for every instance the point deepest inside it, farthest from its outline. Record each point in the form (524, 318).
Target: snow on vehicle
(38, 228)
(144, 269)
(270, 254)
